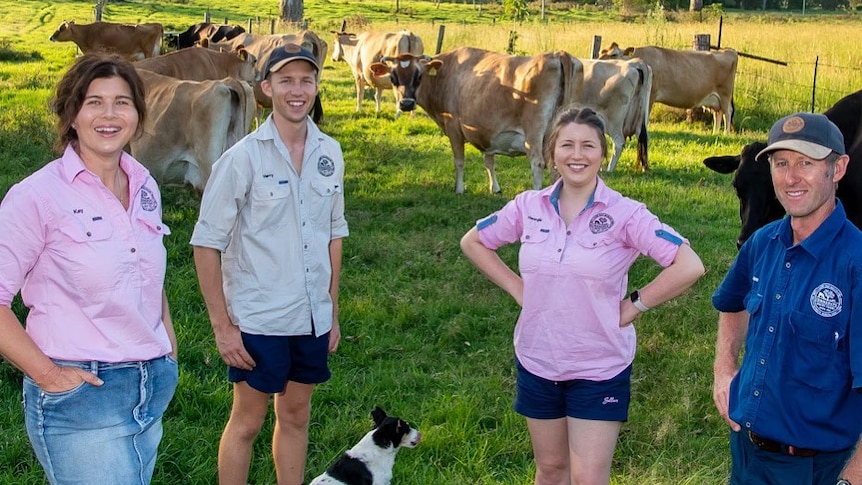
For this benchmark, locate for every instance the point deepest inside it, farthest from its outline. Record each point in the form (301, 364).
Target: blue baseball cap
(283, 55)
(810, 134)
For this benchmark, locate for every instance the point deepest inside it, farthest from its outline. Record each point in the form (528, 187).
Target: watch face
(842, 481)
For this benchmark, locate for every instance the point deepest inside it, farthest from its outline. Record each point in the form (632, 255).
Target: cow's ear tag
(432, 72)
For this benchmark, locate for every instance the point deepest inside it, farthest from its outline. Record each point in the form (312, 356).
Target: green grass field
(425, 335)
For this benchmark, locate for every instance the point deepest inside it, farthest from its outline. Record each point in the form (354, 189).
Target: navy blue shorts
(540, 398)
(278, 359)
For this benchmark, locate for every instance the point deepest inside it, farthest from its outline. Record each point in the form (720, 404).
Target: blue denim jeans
(108, 434)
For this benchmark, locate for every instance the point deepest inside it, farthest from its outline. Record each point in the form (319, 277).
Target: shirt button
(756, 393)
(559, 250)
(778, 296)
(158, 228)
(747, 424)
(568, 233)
(527, 237)
(133, 250)
(787, 265)
(771, 329)
(89, 233)
(762, 361)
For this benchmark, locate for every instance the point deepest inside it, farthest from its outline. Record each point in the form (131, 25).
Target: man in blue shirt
(795, 404)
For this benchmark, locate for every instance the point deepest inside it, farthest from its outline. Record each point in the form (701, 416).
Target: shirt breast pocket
(151, 249)
(815, 361)
(269, 204)
(89, 255)
(534, 241)
(325, 191)
(593, 257)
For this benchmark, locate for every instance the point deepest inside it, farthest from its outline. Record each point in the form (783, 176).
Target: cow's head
(341, 39)
(406, 72)
(63, 32)
(752, 181)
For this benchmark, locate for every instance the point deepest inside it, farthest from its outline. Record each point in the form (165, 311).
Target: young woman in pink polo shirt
(574, 341)
(81, 239)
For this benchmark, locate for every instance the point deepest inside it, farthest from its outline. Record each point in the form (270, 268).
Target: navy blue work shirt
(800, 382)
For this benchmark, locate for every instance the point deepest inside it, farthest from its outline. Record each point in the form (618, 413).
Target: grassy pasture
(426, 337)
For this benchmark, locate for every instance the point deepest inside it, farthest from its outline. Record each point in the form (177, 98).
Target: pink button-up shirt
(90, 271)
(574, 278)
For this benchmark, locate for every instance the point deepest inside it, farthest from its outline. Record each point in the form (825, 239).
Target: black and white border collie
(370, 461)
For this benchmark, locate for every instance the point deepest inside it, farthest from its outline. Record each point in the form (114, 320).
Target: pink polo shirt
(90, 272)
(575, 277)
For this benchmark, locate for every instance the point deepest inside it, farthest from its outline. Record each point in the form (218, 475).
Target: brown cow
(619, 91)
(688, 79)
(189, 124)
(360, 51)
(200, 64)
(132, 41)
(500, 104)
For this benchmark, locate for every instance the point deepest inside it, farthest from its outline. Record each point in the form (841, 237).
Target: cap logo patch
(601, 222)
(325, 166)
(793, 124)
(826, 300)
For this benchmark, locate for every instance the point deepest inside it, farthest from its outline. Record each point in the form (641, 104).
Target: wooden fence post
(597, 46)
(249, 25)
(440, 33)
(207, 16)
(700, 42)
(814, 82)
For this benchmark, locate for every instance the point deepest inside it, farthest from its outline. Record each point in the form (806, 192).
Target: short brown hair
(574, 114)
(73, 87)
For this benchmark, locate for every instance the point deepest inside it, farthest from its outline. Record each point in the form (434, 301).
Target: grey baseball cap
(810, 134)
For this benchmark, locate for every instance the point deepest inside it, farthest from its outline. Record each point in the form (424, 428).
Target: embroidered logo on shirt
(325, 166)
(148, 200)
(610, 400)
(826, 300)
(601, 222)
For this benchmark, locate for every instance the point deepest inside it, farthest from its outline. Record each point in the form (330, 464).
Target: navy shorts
(540, 398)
(278, 359)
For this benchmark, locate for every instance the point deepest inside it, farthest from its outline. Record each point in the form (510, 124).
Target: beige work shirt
(273, 227)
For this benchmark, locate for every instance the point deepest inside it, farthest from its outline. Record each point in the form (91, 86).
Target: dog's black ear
(378, 415)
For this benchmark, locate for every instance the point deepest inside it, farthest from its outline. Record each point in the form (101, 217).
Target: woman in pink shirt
(574, 341)
(81, 239)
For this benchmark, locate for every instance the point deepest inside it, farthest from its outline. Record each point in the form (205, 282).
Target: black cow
(204, 30)
(753, 184)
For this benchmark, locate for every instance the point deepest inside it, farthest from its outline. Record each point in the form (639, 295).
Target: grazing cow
(500, 104)
(688, 79)
(132, 41)
(360, 51)
(189, 124)
(204, 30)
(203, 64)
(619, 91)
(261, 46)
(753, 183)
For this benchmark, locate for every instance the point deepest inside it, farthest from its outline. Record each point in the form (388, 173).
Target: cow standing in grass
(132, 41)
(500, 104)
(363, 50)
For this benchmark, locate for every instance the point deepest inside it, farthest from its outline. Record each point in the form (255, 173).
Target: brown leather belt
(776, 447)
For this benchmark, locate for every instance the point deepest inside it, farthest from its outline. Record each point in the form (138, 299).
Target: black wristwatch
(635, 297)
(843, 481)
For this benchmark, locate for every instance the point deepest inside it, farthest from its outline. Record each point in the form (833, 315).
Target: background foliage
(426, 336)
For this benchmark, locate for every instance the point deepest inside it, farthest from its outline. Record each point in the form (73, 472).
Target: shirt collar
(268, 131)
(72, 166)
(600, 194)
(821, 240)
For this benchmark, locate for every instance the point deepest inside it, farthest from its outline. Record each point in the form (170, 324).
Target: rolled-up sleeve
(502, 227)
(22, 239)
(223, 199)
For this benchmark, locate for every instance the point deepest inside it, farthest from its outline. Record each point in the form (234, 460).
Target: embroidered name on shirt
(97, 218)
(537, 219)
(610, 400)
(826, 300)
(77, 211)
(601, 222)
(325, 166)
(148, 200)
(267, 175)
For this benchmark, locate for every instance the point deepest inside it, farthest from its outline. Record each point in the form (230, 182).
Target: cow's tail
(645, 77)
(157, 47)
(243, 106)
